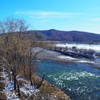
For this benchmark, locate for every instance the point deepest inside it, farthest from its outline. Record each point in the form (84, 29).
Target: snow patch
(81, 46)
(27, 89)
(66, 57)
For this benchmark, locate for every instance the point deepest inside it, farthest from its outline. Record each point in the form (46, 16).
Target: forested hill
(70, 36)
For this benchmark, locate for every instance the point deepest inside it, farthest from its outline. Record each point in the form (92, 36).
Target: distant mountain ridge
(70, 36)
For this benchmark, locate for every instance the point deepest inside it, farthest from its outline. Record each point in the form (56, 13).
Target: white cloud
(40, 18)
(46, 14)
(95, 19)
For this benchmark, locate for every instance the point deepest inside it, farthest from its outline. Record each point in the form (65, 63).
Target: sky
(67, 15)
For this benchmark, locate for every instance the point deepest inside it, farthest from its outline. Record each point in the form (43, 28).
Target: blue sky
(81, 15)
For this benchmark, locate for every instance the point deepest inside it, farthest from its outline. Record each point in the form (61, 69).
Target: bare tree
(12, 25)
(18, 50)
(14, 46)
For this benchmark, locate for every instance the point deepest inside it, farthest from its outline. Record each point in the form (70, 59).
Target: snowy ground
(27, 89)
(74, 59)
(48, 54)
(52, 55)
(81, 46)
(84, 47)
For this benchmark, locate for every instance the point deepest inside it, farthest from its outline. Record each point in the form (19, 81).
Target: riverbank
(45, 92)
(52, 55)
(51, 92)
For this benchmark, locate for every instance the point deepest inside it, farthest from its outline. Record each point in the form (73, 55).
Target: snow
(68, 58)
(20, 78)
(88, 47)
(58, 56)
(4, 75)
(9, 87)
(81, 46)
(85, 61)
(16, 98)
(27, 89)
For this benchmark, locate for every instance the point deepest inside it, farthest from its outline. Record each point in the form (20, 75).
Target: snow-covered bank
(81, 46)
(88, 51)
(52, 55)
(75, 59)
(27, 91)
(57, 56)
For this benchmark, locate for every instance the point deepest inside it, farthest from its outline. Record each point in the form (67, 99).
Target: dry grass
(21, 82)
(47, 89)
(1, 74)
(2, 85)
(3, 96)
(2, 78)
(1, 69)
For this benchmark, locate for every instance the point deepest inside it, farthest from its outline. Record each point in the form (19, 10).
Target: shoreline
(56, 56)
(50, 55)
(54, 91)
(45, 91)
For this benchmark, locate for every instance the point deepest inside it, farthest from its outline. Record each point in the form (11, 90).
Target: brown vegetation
(15, 50)
(18, 59)
(2, 86)
(50, 91)
(3, 96)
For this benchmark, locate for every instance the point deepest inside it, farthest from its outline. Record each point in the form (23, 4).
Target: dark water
(78, 80)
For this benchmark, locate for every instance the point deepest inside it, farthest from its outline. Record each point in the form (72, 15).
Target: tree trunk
(15, 82)
(39, 85)
(19, 95)
(31, 76)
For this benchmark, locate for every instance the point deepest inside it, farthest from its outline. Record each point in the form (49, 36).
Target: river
(78, 80)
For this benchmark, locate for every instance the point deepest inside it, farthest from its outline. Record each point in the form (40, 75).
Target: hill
(70, 36)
